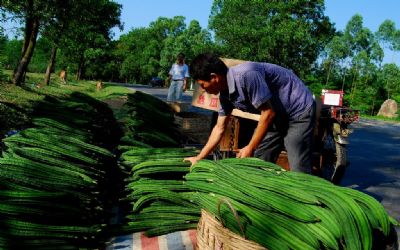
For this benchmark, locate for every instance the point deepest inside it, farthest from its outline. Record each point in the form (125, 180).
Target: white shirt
(179, 72)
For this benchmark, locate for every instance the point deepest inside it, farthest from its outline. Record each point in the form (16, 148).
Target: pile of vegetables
(157, 193)
(288, 210)
(278, 209)
(62, 178)
(154, 189)
(11, 118)
(151, 121)
(55, 177)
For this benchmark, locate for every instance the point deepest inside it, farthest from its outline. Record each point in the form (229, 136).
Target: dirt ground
(116, 103)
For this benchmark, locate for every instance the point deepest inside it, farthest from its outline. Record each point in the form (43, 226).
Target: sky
(141, 13)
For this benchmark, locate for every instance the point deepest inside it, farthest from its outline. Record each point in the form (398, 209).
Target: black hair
(204, 64)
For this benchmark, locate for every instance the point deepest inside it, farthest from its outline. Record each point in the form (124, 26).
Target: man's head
(180, 58)
(210, 72)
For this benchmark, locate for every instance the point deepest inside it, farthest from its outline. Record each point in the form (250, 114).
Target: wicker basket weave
(212, 235)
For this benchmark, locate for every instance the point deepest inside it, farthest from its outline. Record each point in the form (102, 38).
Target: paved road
(374, 156)
(373, 153)
(159, 92)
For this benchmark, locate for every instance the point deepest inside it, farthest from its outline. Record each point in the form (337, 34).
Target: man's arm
(185, 78)
(266, 118)
(213, 140)
(184, 86)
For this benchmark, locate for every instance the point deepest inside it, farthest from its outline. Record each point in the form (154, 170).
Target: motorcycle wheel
(334, 160)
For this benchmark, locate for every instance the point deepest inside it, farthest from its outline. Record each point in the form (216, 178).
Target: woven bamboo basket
(212, 235)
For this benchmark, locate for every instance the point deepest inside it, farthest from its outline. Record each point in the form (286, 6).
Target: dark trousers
(296, 135)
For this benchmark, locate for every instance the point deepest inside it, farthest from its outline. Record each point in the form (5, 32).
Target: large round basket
(212, 235)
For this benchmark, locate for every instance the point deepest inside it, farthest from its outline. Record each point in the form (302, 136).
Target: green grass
(381, 118)
(16, 103)
(110, 91)
(33, 90)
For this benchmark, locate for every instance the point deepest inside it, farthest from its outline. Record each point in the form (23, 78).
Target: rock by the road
(388, 109)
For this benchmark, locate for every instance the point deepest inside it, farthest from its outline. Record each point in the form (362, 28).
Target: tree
(389, 36)
(192, 41)
(33, 13)
(390, 77)
(103, 63)
(144, 48)
(40, 56)
(3, 42)
(89, 31)
(39, 15)
(336, 52)
(364, 55)
(352, 61)
(364, 86)
(55, 31)
(12, 47)
(197, 40)
(289, 33)
(131, 47)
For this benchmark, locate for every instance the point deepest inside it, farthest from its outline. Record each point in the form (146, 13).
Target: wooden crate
(230, 139)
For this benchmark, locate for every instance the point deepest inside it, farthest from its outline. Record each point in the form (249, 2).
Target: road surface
(374, 163)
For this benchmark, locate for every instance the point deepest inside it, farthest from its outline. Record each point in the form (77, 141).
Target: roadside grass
(17, 102)
(381, 118)
(110, 91)
(33, 90)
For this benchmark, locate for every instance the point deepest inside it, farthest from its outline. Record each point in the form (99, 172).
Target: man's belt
(178, 80)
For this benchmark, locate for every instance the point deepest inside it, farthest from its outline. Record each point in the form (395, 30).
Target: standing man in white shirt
(178, 76)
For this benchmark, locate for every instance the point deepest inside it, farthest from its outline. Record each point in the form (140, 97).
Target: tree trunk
(329, 72)
(373, 107)
(50, 66)
(353, 86)
(344, 79)
(79, 73)
(81, 69)
(27, 33)
(387, 89)
(29, 46)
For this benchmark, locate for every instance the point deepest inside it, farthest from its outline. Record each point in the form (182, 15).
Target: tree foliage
(34, 13)
(147, 52)
(80, 20)
(3, 42)
(289, 33)
(88, 33)
(388, 35)
(352, 61)
(390, 77)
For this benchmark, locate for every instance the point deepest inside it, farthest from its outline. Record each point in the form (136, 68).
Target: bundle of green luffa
(55, 181)
(156, 191)
(287, 210)
(149, 120)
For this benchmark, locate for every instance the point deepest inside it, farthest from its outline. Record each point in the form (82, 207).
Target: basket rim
(212, 235)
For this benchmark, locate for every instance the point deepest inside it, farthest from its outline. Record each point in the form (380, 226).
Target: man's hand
(245, 152)
(192, 159)
(266, 117)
